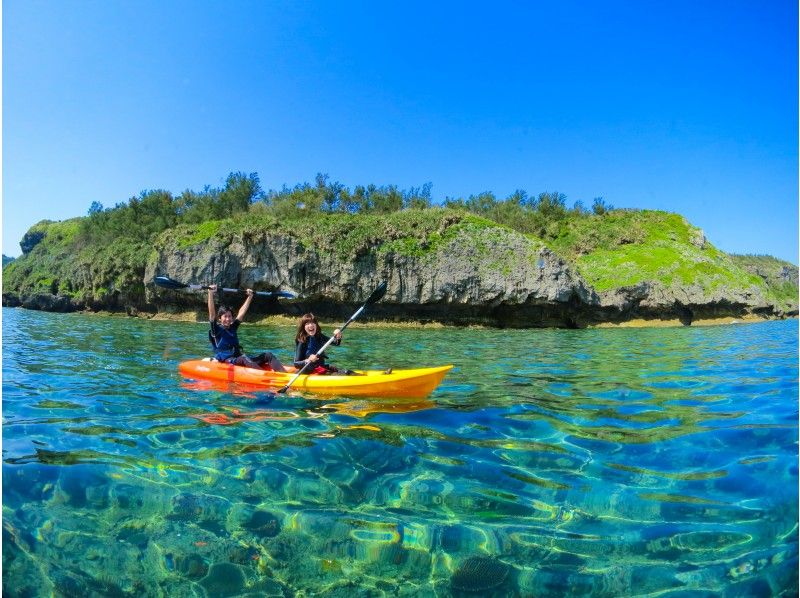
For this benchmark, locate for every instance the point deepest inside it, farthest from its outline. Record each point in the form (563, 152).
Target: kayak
(416, 383)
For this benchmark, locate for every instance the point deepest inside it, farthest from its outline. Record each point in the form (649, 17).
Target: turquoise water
(657, 462)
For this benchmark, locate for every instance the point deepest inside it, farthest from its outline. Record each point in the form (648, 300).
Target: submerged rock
(244, 555)
(224, 579)
(192, 566)
(479, 574)
(82, 488)
(263, 523)
(68, 586)
(198, 507)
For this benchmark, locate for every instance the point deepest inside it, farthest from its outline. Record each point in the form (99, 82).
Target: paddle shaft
(200, 287)
(167, 282)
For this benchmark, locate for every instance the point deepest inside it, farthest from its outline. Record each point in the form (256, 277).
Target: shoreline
(281, 320)
(278, 320)
(675, 323)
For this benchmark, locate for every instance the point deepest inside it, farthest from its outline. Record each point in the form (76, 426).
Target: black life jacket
(225, 341)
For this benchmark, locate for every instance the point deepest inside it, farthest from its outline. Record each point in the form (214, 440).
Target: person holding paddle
(309, 341)
(374, 297)
(224, 338)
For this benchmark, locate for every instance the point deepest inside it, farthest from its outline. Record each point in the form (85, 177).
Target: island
(521, 262)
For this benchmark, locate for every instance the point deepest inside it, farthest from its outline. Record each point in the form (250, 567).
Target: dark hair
(302, 335)
(222, 309)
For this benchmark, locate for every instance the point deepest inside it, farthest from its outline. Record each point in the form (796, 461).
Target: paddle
(376, 296)
(168, 283)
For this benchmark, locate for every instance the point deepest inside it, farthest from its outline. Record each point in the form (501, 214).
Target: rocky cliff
(440, 266)
(478, 275)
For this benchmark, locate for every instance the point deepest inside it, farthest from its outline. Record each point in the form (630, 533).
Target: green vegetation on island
(99, 260)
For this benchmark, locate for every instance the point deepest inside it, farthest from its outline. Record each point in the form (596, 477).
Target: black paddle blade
(377, 294)
(168, 283)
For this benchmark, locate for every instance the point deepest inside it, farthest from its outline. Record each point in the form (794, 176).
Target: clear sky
(681, 105)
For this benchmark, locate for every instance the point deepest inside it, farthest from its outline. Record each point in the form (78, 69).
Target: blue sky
(690, 107)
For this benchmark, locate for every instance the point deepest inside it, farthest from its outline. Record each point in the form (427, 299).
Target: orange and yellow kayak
(416, 383)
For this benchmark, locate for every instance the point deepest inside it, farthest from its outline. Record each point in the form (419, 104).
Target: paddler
(225, 340)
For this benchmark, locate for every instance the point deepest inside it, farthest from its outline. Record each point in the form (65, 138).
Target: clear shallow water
(549, 463)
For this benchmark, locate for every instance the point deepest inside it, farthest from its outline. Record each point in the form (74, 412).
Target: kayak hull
(415, 383)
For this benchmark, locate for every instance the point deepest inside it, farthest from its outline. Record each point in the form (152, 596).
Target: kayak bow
(416, 383)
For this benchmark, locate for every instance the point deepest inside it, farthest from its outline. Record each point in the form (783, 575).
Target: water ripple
(602, 462)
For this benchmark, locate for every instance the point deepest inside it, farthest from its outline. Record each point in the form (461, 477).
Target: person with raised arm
(225, 340)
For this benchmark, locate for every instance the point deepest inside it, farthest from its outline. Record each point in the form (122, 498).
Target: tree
(600, 207)
(240, 191)
(332, 196)
(360, 200)
(418, 197)
(551, 205)
(453, 203)
(386, 199)
(482, 204)
(519, 197)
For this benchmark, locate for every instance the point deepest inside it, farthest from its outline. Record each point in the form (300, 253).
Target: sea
(600, 462)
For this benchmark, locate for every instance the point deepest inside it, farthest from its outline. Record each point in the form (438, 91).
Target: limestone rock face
(43, 302)
(483, 275)
(779, 273)
(490, 276)
(654, 300)
(657, 296)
